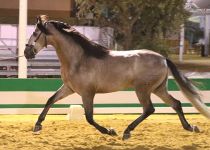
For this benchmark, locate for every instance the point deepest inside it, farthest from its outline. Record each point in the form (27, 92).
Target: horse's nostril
(28, 54)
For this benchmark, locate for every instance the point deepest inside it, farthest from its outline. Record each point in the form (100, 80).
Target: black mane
(90, 48)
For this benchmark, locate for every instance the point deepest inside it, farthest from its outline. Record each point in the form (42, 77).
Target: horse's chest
(74, 81)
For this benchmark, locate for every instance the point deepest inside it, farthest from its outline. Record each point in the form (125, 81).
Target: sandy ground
(159, 132)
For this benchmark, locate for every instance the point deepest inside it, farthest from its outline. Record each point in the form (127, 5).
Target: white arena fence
(28, 96)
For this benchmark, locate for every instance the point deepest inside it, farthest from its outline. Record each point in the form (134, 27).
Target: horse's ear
(41, 23)
(42, 19)
(38, 20)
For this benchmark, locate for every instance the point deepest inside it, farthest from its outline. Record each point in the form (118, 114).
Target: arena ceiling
(9, 10)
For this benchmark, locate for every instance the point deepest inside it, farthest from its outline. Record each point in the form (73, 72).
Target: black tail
(188, 89)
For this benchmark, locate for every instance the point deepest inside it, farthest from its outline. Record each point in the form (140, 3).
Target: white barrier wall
(28, 96)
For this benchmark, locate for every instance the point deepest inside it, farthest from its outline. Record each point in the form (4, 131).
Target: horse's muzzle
(29, 51)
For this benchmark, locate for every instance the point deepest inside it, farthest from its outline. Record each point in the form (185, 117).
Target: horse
(87, 68)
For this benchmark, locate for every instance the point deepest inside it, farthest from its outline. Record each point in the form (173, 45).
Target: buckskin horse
(88, 68)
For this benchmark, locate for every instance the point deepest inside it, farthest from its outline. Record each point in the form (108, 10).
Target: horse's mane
(90, 48)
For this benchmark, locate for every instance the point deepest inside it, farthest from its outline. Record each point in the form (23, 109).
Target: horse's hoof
(112, 132)
(36, 133)
(192, 128)
(195, 129)
(126, 136)
(37, 129)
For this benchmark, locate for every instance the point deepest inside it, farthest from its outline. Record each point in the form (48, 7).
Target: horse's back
(142, 59)
(125, 69)
(130, 53)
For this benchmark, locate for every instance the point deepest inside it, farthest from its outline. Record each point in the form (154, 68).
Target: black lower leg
(133, 125)
(178, 108)
(144, 115)
(61, 93)
(42, 116)
(87, 99)
(102, 129)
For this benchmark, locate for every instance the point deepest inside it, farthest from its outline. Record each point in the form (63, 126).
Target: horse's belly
(113, 85)
(109, 90)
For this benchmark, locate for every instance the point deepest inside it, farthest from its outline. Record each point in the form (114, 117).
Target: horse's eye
(34, 34)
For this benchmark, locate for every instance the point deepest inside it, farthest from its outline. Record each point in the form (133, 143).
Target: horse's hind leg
(88, 106)
(61, 93)
(176, 105)
(148, 109)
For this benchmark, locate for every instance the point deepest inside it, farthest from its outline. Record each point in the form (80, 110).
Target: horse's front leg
(61, 93)
(88, 106)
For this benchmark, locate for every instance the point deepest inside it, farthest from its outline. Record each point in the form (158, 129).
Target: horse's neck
(69, 52)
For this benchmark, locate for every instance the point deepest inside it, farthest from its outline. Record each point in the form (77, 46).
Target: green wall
(54, 84)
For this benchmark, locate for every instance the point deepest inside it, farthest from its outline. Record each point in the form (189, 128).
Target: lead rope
(9, 58)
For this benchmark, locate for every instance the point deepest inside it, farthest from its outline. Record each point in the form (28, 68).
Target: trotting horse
(88, 68)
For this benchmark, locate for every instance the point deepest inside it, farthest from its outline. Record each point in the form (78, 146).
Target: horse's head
(38, 39)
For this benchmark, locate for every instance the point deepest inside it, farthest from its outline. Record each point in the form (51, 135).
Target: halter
(31, 46)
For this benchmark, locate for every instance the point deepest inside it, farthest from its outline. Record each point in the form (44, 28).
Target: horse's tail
(189, 90)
